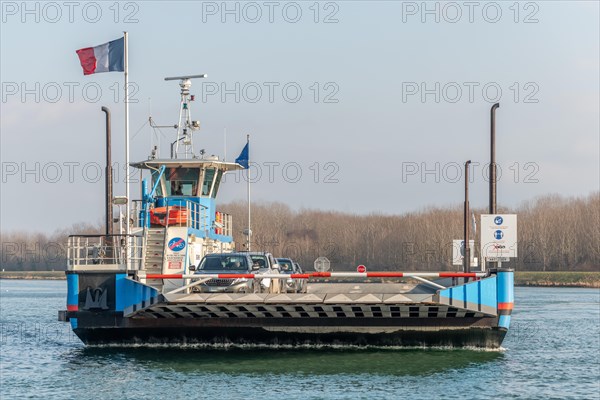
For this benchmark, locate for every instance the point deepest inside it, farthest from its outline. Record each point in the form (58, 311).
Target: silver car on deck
(226, 263)
(287, 266)
(267, 264)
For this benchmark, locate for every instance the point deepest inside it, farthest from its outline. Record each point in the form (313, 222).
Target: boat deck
(326, 293)
(321, 300)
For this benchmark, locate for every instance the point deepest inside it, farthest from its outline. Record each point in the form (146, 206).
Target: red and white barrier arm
(143, 275)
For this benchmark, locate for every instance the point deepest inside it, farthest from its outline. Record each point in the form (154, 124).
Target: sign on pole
(322, 264)
(498, 236)
(458, 252)
(361, 269)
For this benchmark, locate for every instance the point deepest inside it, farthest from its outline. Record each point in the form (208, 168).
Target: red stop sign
(361, 269)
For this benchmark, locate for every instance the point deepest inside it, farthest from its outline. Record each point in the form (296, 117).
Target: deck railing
(114, 252)
(419, 276)
(227, 225)
(197, 216)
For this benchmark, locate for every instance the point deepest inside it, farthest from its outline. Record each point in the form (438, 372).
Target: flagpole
(126, 68)
(248, 182)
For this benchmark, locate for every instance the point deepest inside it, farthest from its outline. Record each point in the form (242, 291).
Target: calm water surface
(552, 351)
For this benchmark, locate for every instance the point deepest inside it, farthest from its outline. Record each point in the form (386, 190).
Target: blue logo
(177, 244)
(498, 220)
(498, 234)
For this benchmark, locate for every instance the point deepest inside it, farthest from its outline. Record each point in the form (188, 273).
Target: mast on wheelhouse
(183, 146)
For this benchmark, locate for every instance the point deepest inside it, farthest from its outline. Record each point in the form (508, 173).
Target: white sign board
(458, 252)
(498, 236)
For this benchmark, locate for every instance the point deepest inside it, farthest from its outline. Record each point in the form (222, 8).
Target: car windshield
(285, 266)
(259, 260)
(223, 263)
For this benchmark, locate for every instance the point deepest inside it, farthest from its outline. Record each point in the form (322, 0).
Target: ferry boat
(138, 288)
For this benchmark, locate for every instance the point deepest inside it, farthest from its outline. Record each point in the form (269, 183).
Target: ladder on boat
(154, 254)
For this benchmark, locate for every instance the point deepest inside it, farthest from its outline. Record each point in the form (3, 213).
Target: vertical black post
(108, 186)
(493, 159)
(466, 230)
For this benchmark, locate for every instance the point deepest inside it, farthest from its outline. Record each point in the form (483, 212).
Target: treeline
(554, 234)
(27, 251)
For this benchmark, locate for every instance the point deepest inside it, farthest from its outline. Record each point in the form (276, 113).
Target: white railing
(419, 276)
(104, 252)
(188, 213)
(197, 216)
(226, 225)
(134, 212)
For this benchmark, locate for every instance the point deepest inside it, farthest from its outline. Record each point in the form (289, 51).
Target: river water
(551, 351)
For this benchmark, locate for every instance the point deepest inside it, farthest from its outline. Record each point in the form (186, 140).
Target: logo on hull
(95, 299)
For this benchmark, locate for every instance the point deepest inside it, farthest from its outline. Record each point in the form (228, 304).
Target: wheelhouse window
(182, 181)
(189, 182)
(159, 188)
(217, 183)
(207, 183)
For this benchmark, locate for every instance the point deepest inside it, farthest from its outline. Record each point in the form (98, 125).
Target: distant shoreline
(558, 279)
(34, 275)
(525, 278)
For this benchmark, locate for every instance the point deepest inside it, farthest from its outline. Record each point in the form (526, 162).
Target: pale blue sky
(371, 54)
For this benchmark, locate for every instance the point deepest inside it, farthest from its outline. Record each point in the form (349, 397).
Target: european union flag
(244, 156)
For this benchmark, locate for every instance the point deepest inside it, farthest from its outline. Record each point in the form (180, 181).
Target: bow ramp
(447, 303)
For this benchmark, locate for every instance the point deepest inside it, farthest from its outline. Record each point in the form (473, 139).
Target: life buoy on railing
(219, 221)
(177, 216)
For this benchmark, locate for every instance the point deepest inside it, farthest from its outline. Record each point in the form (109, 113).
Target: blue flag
(244, 156)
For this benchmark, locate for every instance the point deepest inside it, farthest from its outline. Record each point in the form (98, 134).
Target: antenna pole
(185, 127)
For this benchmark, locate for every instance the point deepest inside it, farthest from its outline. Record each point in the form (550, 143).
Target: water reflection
(189, 360)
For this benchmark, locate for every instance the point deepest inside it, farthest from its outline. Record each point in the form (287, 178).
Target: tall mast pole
(493, 170)
(127, 194)
(108, 179)
(248, 183)
(126, 132)
(467, 247)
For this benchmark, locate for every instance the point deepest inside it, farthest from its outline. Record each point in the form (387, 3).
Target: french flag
(104, 58)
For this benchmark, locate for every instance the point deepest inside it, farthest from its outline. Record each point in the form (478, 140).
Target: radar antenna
(186, 126)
